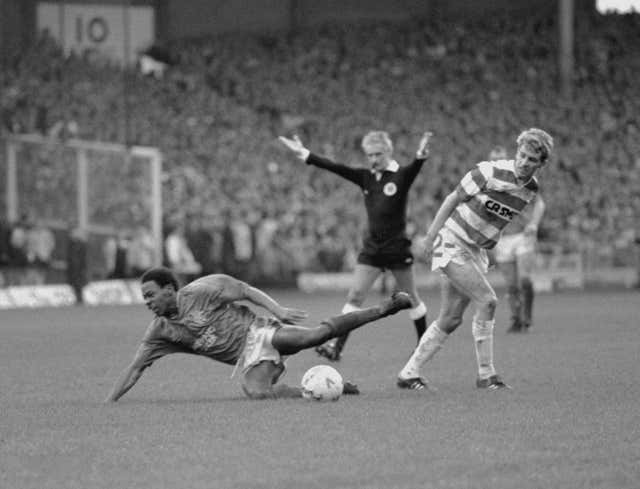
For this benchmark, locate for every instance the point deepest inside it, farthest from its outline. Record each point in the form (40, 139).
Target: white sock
(348, 307)
(430, 343)
(483, 337)
(418, 311)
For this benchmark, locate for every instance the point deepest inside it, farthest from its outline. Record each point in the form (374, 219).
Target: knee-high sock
(339, 342)
(483, 337)
(515, 302)
(419, 317)
(527, 299)
(429, 344)
(345, 323)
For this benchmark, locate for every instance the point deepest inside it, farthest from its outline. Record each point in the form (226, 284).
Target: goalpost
(103, 188)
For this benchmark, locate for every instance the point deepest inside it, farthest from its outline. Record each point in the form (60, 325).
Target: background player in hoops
(385, 186)
(205, 318)
(515, 255)
(468, 223)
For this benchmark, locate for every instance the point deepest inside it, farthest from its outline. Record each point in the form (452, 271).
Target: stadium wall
(177, 19)
(204, 17)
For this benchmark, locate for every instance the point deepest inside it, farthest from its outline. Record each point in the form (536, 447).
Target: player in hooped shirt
(385, 185)
(204, 318)
(515, 255)
(467, 224)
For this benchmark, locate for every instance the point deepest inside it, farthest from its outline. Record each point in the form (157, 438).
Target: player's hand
(423, 247)
(292, 316)
(531, 231)
(423, 146)
(295, 145)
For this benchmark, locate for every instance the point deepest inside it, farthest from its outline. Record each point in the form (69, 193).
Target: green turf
(571, 421)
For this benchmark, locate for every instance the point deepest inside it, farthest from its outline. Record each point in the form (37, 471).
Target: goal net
(103, 188)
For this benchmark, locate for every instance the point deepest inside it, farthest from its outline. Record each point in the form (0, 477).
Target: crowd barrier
(127, 292)
(116, 292)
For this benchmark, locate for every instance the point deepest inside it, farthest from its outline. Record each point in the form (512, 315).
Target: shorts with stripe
(258, 345)
(448, 247)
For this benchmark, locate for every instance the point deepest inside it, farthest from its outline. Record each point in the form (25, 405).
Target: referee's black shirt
(385, 198)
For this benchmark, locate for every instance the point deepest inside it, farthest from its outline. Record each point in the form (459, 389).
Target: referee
(386, 246)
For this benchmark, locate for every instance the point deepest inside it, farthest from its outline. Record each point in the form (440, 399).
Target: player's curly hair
(538, 141)
(160, 275)
(377, 137)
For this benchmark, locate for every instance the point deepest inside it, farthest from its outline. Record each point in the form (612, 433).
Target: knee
(488, 304)
(448, 323)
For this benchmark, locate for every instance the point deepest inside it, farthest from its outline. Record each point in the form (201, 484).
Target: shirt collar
(392, 166)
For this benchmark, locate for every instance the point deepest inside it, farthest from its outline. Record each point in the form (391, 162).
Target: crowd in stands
(242, 205)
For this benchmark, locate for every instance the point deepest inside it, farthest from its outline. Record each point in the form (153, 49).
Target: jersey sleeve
(210, 290)
(474, 181)
(414, 168)
(155, 346)
(354, 175)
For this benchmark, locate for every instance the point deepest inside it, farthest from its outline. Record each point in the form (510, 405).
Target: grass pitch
(572, 419)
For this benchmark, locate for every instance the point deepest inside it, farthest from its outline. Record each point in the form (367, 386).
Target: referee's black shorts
(392, 254)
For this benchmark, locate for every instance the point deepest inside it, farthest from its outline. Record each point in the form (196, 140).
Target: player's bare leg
(453, 305)
(260, 382)
(405, 281)
(364, 277)
(473, 282)
(290, 339)
(462, 284)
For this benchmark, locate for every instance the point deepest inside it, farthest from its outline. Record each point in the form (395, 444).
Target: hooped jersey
(491, 199)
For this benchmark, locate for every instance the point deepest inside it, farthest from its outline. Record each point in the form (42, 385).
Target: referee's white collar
(392, 166)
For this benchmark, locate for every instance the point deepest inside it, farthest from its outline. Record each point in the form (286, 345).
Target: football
(322, 383)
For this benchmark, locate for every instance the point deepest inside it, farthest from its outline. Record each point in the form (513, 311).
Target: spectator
(141, 252)
(39, 249)
(77, 274)
(116, 249)
(179, 255)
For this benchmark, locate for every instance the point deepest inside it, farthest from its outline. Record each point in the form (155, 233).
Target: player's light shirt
(491, 199)
(520, 222)
(207, 323)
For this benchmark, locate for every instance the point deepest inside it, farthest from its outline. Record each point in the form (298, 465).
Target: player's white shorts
(258, 347)
(513, 247)
(450, 248)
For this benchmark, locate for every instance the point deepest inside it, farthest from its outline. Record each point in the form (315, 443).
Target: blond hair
(537, 141)
(373, 138)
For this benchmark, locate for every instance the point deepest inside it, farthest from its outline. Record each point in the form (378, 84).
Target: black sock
(340, 342)
(421, 325)
(527, 299)
(515, 303)
(345, 323)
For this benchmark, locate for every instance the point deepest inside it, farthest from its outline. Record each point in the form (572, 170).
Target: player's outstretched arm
(295, 145)
(423, 147)
(285, 314)
(144, 357)
(233, 289)
(126, 381)
(446, 208)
